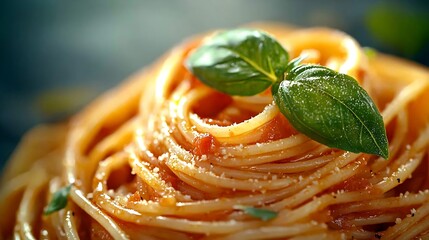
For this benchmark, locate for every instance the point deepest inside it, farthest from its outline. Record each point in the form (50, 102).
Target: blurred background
(58, 55)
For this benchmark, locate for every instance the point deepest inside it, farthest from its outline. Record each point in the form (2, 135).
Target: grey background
(58, 55)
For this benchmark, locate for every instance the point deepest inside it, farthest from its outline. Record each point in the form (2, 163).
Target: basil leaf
(240, 62)
(58, 201)
(295, 62)
(332, 109)
(263, 214)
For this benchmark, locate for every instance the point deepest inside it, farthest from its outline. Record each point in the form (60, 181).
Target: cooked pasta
(163, 156)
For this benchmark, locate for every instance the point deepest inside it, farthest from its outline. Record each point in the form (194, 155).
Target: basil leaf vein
(270, 75)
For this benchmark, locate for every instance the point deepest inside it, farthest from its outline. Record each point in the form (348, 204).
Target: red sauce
(345, 221)
(135, 197)
(354, 183)
(216, 109)
(119, 177)
(98, 232)
(266, 92)
(210, 106)
(323, 215)
(276, 129)
(170, 178)
(357, 182)
(204, 144)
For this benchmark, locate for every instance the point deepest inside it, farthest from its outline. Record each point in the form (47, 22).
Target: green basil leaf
(295, 62)
(240, 62)
(263, 214)
(332, 109)
(58, 201)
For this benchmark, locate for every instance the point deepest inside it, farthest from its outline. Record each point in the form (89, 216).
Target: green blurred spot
(399, 28)
(52, 103)
(370, 52)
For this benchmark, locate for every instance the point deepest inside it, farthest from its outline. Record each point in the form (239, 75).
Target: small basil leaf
(295, 62)
(263, 214)
(58, 201)
(296, 70)
(240, 62)
(332, 109)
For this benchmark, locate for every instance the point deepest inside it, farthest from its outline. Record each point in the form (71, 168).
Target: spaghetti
(165, 157)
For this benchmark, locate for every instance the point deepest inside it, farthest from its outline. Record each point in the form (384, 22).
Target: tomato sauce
(277, 128)
(204, 144)
(98, 232)
(210, 106)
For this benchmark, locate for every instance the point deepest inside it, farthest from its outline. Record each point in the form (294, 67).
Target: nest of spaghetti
(163, 156)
